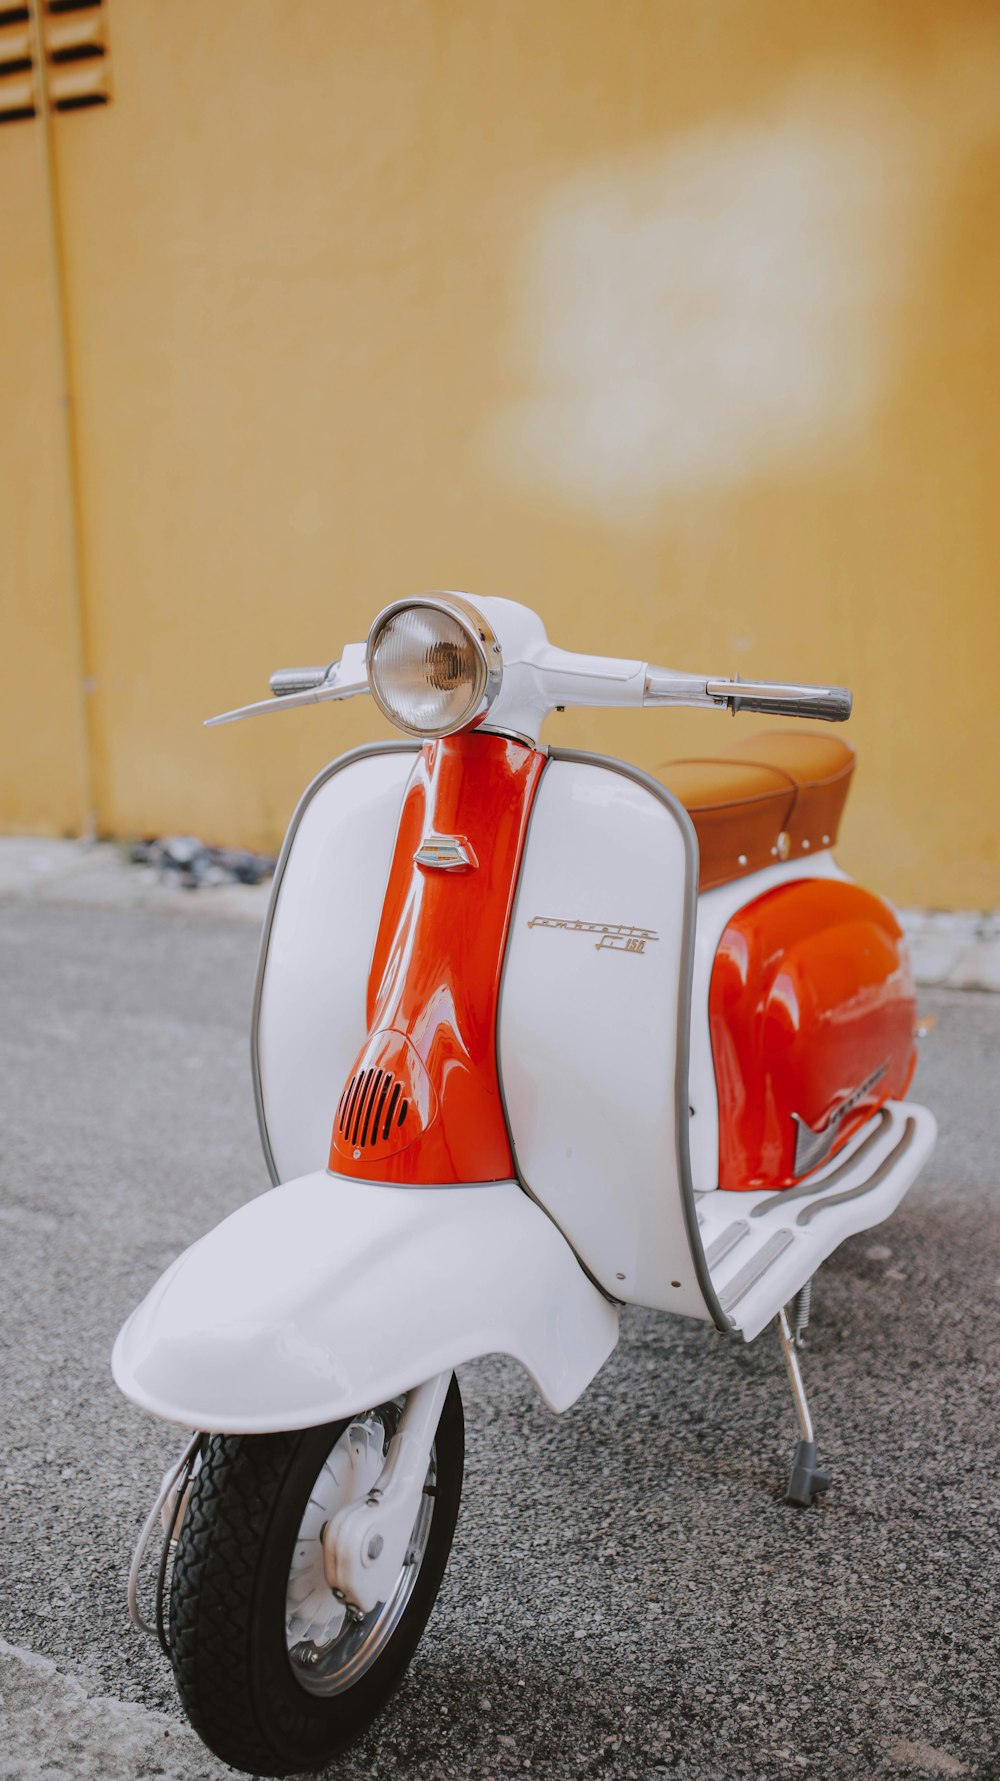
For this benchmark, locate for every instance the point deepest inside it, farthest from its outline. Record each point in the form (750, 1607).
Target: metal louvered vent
(388, 1103)
(76, 49)
(18, 97)
(372, 1108)
(74, 46)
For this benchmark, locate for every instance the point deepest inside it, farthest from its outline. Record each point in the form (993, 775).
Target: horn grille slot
(387, 1102)
(372, 1109)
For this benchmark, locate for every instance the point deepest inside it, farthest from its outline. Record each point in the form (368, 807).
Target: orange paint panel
(422, 1104)
(813, 1022)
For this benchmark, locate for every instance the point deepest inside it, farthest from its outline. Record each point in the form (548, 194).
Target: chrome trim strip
(725, 1241)
(884, 1169)
(315, 785)
(804, 1189)
(439, 1187)
(748, 1276)
(526, 741)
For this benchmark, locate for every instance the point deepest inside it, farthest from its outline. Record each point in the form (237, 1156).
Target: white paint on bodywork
(693, 316)
(538, 677)
(588, 1033)
(326, 910)
(326, 1296)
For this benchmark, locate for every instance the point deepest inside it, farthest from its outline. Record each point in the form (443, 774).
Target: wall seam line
(78, 603)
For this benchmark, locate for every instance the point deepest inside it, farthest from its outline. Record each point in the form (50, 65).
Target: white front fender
(325, 1296)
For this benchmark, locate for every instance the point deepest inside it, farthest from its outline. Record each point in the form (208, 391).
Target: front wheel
(273, 1672)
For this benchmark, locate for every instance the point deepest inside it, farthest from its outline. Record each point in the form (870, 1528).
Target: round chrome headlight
(434, 665)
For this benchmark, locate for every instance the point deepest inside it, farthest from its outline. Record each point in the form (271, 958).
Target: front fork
(365, 1544)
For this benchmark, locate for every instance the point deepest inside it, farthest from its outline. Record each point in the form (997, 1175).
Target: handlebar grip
(776, 699)
(296, 680)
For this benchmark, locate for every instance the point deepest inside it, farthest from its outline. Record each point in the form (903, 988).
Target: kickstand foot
(806, 1481)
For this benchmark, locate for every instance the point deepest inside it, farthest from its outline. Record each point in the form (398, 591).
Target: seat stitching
(741, 804)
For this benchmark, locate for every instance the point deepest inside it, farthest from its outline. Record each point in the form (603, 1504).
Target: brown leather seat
(771, 797)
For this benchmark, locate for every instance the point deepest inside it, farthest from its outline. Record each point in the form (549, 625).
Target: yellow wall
(43, 753)
(675, 318)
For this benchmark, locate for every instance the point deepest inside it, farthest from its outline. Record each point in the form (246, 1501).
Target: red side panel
(813, 1022)
(423, 1103)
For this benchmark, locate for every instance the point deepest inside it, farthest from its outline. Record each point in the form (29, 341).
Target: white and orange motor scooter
(535, 1035)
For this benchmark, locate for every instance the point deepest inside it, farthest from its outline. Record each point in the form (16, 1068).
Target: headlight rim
(480, 634)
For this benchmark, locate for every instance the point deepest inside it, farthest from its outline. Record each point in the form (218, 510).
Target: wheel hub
(330, 1642)
(313, 1615)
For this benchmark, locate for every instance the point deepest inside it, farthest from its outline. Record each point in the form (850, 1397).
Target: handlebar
(541, 678)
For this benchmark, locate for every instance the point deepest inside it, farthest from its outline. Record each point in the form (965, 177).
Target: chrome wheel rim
(328, 1647)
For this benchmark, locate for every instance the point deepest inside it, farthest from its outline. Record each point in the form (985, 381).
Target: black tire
(250, 1702)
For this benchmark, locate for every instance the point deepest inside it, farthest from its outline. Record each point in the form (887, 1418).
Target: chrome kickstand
(806, 1481)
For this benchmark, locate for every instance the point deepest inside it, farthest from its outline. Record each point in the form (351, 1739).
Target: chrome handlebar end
(298, 680)
(778, 699)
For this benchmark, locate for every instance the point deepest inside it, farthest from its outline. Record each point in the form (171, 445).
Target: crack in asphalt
(54, 1728)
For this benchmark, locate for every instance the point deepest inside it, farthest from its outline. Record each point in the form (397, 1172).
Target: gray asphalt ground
(628, 1595)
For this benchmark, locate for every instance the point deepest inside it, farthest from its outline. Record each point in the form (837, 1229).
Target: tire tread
(227, 1640)
(213, 1582)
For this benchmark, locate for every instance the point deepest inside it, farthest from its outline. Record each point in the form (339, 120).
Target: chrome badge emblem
(614, 936)
(813, 1147)
(446, 853)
